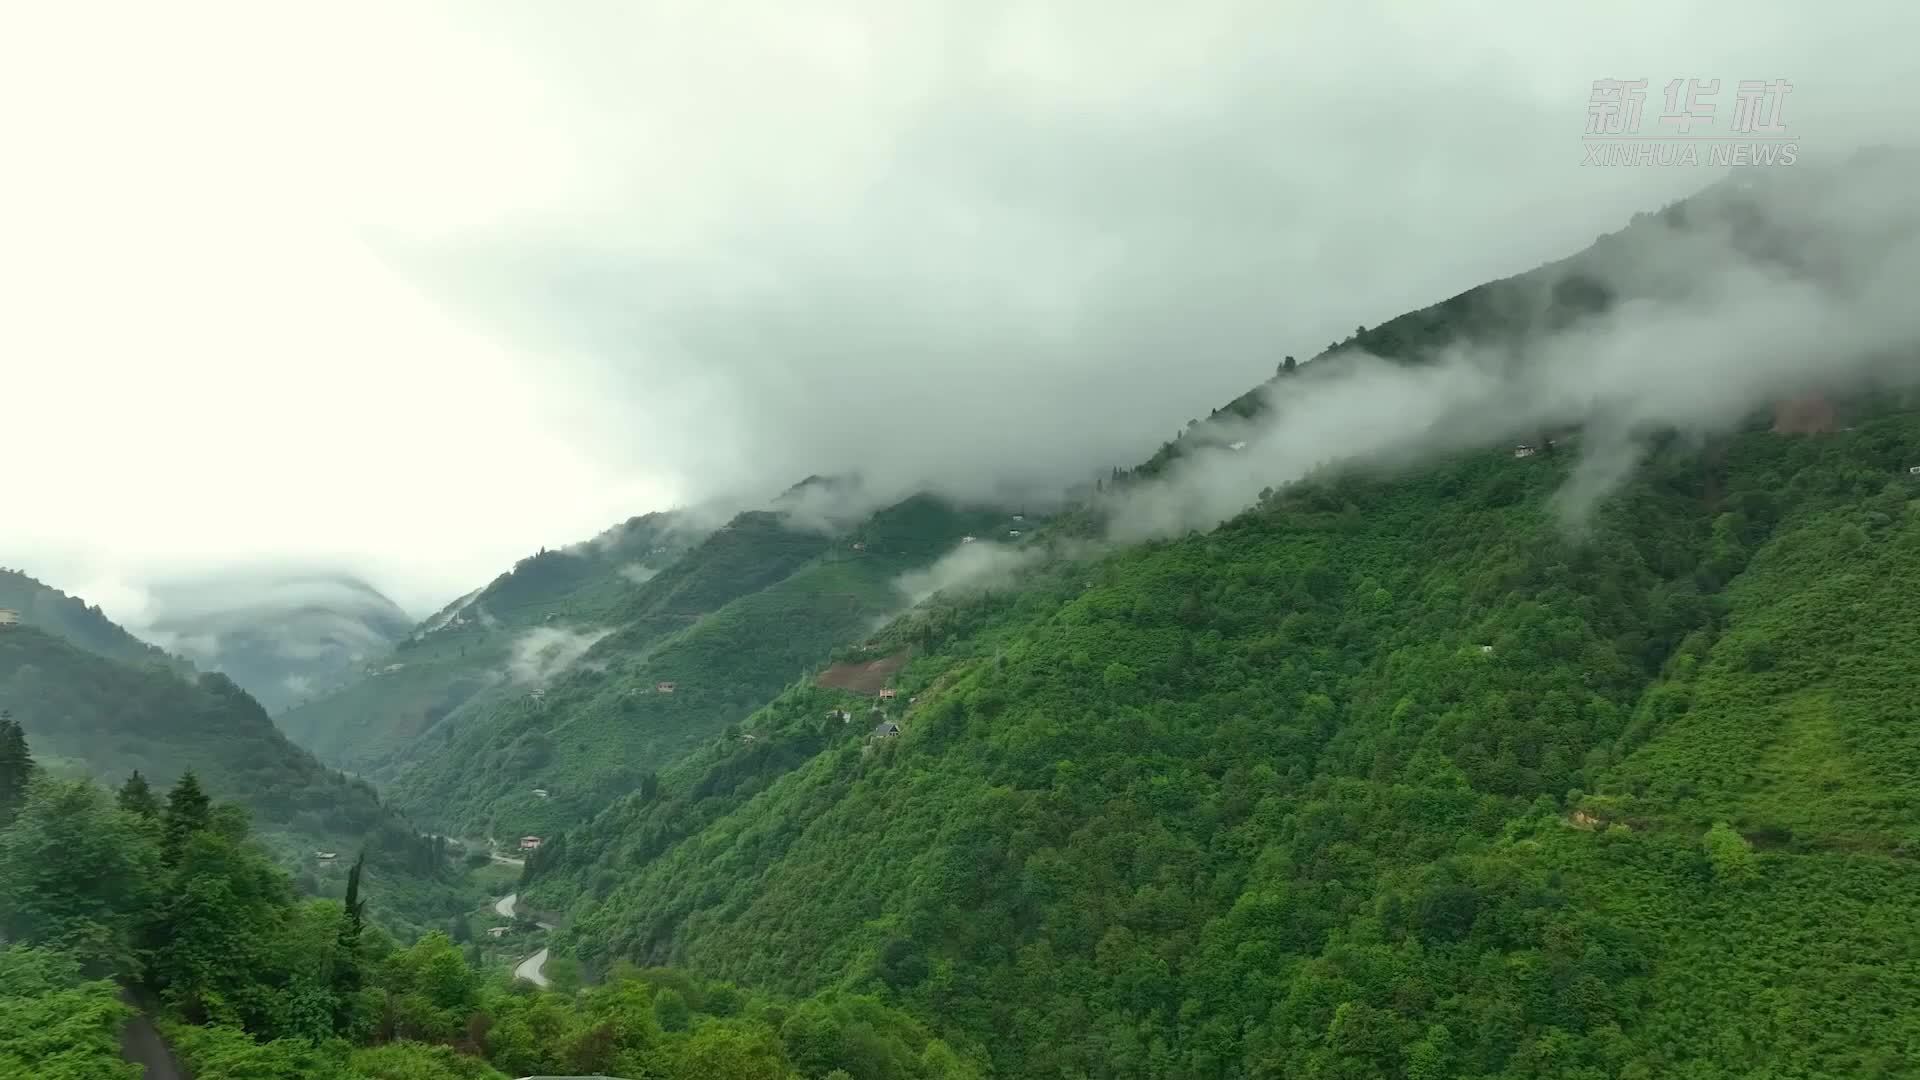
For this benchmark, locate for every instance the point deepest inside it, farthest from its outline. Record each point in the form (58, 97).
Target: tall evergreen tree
(136, 797)
(16, 766)
(347, 974)
(188, 811)
(356, 907)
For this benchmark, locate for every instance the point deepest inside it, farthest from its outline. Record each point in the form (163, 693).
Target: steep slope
(727, 626)
(86, 626)
(283, 636)
(1297, 797)
(534, 613)
(84, 713)
(1464, 771)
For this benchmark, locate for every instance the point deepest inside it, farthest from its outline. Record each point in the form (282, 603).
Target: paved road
(530, 969)
(141, 1044)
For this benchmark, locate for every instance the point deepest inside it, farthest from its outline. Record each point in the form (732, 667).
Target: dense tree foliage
(144, 725)
(450, 665)
(55, 1024)
(740, 617)
(1389, 777)
(255, 984)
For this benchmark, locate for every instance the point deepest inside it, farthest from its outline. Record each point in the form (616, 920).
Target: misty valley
(1517, 688)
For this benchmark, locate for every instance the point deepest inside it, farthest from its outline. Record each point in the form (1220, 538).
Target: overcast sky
(415, 288)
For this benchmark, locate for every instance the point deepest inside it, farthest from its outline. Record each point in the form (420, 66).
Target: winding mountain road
(533, 967)
(529, 969)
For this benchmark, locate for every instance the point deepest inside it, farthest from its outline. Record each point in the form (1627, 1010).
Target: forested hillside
(78, 622)
(1588, 758)
(726, 626)
(106, 720)
(1389, 777)
(466, 652)
(169, 898)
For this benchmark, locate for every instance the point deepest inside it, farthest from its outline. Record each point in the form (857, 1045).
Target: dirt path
(140, 1043)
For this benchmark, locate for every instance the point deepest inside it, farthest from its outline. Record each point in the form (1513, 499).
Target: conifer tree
(136, 797)
(347, 974)
(188, 811)
(16, 766)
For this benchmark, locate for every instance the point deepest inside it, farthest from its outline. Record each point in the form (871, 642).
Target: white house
(10, 617)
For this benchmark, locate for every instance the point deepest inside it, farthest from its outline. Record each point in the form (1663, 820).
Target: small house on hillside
(326, 856)
(1913, 471)
(1013, 532)
(10, 617)
(886, 729)
(1524, 451)
(749, 737)
(498, 931)
(539, 793)
(969, 539)
(663, 687)
(1236, 447)
(530, 843)
(889, 695)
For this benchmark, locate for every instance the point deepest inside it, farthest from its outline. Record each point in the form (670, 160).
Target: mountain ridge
(1404, 770)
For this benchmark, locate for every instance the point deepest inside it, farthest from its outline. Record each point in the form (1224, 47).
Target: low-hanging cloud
(545, 653)
(1023, 242)
(658, 252)
(1800, 285)
(280, 632)
(977, 565)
